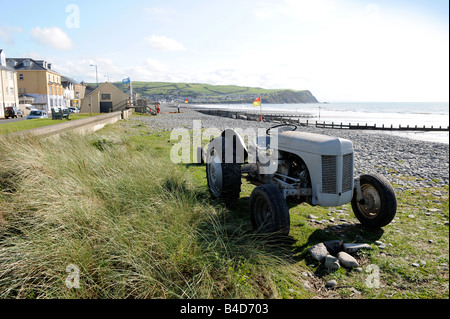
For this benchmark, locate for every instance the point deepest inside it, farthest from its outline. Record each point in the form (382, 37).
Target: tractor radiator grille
(347, 173)
(329, 166)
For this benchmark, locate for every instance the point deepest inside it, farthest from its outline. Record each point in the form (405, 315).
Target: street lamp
(96, 72)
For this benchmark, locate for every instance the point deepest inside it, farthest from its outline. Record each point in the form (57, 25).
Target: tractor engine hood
(294, 141)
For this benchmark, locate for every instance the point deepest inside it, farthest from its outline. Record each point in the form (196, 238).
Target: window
(11, 91)
(26, 63)
(21, 76)
(106, 97)
(50, 90)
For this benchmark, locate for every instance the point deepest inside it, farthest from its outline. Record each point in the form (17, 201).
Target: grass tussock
(133, 223)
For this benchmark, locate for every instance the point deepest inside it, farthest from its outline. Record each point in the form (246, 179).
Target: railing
(121, 106)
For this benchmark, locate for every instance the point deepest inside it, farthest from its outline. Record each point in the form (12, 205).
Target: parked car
(29, 107)
(13, 112)
(36, 114)
(74, 110)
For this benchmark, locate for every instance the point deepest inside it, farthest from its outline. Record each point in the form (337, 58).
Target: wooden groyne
(299, 119)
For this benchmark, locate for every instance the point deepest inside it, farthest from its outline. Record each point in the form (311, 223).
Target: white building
(8, 85)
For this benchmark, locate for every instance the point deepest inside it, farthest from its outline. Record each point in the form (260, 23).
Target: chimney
(2, 58)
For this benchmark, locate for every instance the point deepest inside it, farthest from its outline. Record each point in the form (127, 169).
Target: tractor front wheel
(378, 205)
(269, 211)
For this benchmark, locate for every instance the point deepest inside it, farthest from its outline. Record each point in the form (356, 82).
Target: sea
(432, 114)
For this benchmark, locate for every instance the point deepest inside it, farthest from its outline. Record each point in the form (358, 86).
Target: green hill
(206, 93)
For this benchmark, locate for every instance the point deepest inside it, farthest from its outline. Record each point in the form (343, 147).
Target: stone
(312, 217)
(334, 246)
(415, 265)
(353, 248)
(331, 284)
(319, 252)
(332, 263)
(347, 261)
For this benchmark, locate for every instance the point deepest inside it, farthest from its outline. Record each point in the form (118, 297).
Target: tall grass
(134, 224)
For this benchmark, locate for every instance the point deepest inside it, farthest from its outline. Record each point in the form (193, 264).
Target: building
(105, 99)
(36, 78)
(9, 94)
(73, 92)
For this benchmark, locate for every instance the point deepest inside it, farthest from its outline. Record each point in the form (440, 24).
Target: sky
(340, 50)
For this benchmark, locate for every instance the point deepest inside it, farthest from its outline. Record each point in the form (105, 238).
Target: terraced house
(73, 91)
(8, 85)
(37, 79)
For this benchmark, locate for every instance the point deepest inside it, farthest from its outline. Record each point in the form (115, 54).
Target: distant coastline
(215, 94)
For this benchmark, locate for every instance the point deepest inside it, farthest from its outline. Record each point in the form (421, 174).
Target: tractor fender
(231, 147)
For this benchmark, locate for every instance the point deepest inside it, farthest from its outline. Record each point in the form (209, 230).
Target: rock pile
(334, 254)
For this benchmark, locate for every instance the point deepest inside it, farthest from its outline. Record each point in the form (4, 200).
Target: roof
(7, 68)
(70, 80)
(35, 65)
(101, 86)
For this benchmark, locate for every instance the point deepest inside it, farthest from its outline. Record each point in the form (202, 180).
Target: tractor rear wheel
(224, 179)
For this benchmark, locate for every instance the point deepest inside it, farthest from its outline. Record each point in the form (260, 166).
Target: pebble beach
(406, 162)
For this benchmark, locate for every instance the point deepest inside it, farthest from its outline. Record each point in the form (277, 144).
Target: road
(4, 121)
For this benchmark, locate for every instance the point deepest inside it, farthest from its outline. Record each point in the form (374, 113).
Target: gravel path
(392, 156)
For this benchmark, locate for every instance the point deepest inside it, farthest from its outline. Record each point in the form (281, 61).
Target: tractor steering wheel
(294, 127)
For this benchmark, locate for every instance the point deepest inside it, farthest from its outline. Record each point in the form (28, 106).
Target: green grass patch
(36, 123)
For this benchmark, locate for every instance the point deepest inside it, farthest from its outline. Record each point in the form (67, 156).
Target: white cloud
(155, 65)
(53, 37)
(162, 43)
(161, 13)
(7, 34)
